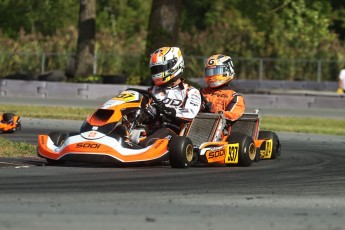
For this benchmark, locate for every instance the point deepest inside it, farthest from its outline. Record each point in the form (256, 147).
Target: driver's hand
(206, 107)
(160, 106)
(151, 111)
(169, 112)
(149, 114)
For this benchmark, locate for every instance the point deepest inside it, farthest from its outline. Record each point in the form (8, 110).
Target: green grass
(304, 125)
(53, 112)
(289, 124)
(14, 149)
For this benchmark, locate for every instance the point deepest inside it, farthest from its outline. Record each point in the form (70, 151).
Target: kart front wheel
(276, 147)
(246, 151)
(58, 139)
(180, 152)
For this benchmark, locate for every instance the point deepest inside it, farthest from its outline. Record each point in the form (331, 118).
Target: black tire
(257, 155)
(180, 152)
(246, 151)
(18, 127)
(276, 146)
(58, 139)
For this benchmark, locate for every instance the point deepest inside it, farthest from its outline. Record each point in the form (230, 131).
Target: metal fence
(108, 63)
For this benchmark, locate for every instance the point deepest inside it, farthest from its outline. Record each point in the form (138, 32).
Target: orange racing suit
(225, 100)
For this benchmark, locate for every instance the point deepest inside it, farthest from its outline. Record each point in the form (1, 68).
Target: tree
(163, 26)
(86, 38)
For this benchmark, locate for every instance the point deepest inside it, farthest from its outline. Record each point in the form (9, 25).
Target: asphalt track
(302, 189)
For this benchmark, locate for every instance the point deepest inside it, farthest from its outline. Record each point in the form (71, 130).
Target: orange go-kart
(9, 123)
(115, 134)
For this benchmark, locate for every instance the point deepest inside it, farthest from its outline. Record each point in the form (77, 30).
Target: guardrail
(279, 96)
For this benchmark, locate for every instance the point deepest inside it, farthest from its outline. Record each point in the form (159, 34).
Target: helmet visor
(162, 68)
(212, 71)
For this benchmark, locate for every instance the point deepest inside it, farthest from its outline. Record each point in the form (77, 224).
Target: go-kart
(115, 133)
(9, 123)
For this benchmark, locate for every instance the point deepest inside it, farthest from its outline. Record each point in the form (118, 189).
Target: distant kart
(9, 123)
(115, 134)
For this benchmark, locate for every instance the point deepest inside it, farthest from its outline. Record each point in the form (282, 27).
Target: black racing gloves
(169, 114)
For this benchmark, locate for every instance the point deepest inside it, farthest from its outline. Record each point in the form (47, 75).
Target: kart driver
(178, 101)
(220, 98)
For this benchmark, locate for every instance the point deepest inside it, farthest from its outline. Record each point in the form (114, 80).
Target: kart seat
(247, 124)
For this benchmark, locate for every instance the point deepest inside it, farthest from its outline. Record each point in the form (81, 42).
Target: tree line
(280, 29)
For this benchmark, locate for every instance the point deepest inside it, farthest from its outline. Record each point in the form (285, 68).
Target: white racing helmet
(166, 63)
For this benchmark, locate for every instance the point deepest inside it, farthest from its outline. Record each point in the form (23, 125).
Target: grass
(273, 123)
(304, 125)
(52, 112)
(14, 149)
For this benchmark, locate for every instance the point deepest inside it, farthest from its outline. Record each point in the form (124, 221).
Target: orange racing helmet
(219, 70)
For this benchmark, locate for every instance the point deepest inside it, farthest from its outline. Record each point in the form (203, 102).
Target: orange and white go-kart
(9, 123)
(115, 133)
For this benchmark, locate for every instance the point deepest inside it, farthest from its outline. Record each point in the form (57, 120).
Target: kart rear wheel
(257, 155)
(247, 150)
(180, 152)
(276, 147)
(58, 139)
(18, 127)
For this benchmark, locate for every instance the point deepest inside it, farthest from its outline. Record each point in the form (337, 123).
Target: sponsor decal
(232, 154)
(194, 104)
(172, 102)
(128, 96)
(42, 140)
(211, 61)
(92, 134)
(223, 95)
(158, 144)
(88, 145)
(215, 154)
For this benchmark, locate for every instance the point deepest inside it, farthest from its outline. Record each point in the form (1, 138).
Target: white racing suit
(185, 99)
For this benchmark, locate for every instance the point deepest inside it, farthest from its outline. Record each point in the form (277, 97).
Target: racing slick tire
(276, 148)
(180, 152)
(257, 155)
(247, 150)
(58, 138)
(18, 127)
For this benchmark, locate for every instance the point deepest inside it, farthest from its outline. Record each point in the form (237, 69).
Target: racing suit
(185, 99)
(225, 100)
